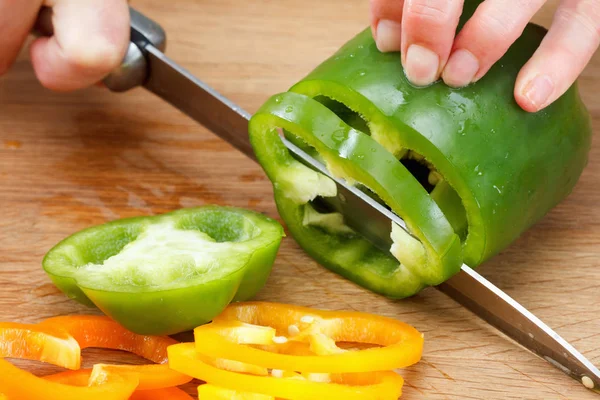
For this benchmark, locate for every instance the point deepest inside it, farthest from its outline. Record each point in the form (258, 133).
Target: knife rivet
(587, 382)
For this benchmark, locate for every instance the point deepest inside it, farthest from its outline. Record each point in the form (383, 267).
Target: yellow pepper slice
(212, 392)
(171, 393)
(398, 344)
(383, 385)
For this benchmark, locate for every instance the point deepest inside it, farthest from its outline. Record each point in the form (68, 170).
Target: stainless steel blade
(493, 305)
(180, 88)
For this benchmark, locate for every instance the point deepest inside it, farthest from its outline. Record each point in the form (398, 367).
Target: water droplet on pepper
(339, 135)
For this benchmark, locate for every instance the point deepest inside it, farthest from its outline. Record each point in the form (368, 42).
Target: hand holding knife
(146, 65)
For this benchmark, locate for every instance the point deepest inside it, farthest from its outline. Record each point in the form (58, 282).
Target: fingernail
(538, 90)
(460, 69)
(388, 35)
(421, 66)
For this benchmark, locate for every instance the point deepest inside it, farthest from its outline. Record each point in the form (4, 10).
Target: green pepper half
(467, 169)
(167, 273)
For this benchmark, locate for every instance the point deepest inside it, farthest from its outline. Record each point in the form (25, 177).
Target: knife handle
(133, 70)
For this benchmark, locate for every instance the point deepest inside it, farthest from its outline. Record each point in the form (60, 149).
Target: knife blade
(145, 64)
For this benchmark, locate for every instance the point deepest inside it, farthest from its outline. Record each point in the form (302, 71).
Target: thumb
(90, 40)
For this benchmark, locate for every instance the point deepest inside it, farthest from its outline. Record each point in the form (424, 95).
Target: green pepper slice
(494, 169)
(355, 156)
(168, 273)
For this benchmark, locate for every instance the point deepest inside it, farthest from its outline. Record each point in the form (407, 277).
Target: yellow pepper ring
(208, 391)
(402, 344)
(385, 385)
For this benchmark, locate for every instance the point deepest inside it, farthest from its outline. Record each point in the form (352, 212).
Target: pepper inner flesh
(161, 256)
(168, 253)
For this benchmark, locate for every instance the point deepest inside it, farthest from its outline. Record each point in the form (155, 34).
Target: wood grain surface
(68, 161)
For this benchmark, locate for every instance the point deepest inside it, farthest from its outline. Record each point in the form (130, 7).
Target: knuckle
(498, 25)
(437, 12)
(525, 4)
(590, 9)
(585, 13)
(387, 9)
(100, 56)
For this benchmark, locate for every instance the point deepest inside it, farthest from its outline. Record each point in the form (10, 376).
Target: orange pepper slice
(17, 384)
(151, 377)
(33, 342)
(81, 377)
(383, 385)
(161, 394)
(103, 332)
(146, 389)
(59, 341)
(280, 325)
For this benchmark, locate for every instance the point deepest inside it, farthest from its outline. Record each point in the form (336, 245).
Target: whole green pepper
(168, 273)
(491, 168)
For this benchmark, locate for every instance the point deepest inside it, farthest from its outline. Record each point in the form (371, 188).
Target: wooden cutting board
(68, 161)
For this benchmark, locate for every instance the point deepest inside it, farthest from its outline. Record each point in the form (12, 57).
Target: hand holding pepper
(90, 39)
(424, 32)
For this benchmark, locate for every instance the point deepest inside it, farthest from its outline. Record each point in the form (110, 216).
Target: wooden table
(71, 160)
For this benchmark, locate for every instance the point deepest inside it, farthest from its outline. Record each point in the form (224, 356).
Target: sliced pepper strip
(81, 377)
(17, 384)
(356, 157)
(161, 394)
(44, 343)
(402, 343)
(212, 392)
(103, 332)
(237, 366)
(184, 358)
(151, 377)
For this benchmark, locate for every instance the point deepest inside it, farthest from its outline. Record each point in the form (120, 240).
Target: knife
(146, 65)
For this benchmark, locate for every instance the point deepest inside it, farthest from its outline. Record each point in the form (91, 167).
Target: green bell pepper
(168, 273)
(467, 169)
